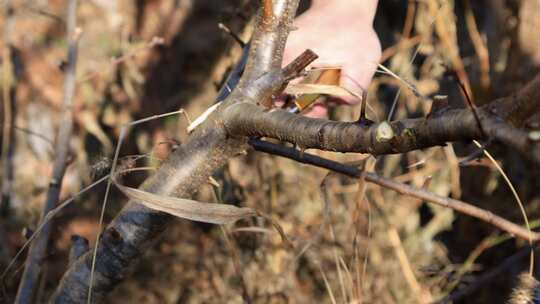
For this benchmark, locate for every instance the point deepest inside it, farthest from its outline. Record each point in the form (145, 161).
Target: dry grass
(353, 242)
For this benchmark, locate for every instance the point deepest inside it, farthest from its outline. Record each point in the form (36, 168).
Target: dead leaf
(310, 88)
(186, 208)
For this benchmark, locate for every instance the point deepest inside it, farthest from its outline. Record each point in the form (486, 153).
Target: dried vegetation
(354, 242)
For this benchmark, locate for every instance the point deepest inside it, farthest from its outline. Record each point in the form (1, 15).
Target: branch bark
(136, 228)
(224, 134)
(448, 125)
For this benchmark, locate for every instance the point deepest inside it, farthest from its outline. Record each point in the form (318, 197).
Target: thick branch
(268, 41)
(517, 108)
(136, 228)
(379, 138)
(390, 137)
(522, 141)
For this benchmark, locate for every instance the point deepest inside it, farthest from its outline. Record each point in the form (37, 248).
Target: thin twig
(490, 275)
(517, 198)
(469, 101)
(7, 75)
(36, 134)
(234, 36)
(479, 46)
(47, 218)
(121, 137)
(401, 188)
(155, 41)
(34, 260)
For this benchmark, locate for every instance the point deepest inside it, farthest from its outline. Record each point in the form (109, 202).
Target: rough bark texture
(136, 228)
(399, 136)
(225, 133)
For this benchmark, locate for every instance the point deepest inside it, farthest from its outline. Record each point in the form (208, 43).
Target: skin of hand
(341, 33)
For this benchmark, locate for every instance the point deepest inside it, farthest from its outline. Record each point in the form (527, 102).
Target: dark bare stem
(7, 82)
(233, 35)
(36, 253)
(470, 103)
(517, 108)
(457, 205)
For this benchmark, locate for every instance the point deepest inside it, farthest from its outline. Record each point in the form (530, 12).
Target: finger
(357, 73)
(318, 110)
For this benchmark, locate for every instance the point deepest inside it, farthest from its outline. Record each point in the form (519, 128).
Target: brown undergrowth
(356, 242)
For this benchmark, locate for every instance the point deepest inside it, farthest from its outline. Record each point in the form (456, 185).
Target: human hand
(341, 33)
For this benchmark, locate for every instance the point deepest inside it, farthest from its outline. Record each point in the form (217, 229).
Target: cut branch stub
(268, 11)
(266, 88)
(384, 132)
(378, 138)
(293, 69)
(209, 148)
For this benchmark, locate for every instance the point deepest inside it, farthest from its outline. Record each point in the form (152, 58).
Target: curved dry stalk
(518, 200)
(185, 208)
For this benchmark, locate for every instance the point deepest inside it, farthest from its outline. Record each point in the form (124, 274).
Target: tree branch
(517, 108)
(136, 228)
(224, 134)
(36, 253)
(269, 37)
(448, 125)
(401, 188)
